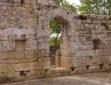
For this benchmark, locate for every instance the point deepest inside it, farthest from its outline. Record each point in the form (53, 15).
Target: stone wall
(18, 40)
(24, 39)
(90, 48)
(88, 38)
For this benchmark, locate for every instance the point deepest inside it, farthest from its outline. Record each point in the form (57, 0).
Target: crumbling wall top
(47, 2)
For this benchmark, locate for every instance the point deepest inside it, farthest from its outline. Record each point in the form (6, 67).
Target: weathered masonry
(24, 40)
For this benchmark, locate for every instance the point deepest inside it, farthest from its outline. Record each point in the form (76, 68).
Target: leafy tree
(55, 30)
(68, 5)
(55, 27)
(54, 41)
(101, 7)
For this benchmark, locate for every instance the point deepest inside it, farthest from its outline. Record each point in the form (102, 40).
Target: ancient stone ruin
(24, 40)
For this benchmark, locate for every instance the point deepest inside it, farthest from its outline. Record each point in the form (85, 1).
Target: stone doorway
(59, 54)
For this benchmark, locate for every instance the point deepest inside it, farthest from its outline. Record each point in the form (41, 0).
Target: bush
(6, 79)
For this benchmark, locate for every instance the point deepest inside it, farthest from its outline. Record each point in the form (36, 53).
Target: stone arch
(58, 13)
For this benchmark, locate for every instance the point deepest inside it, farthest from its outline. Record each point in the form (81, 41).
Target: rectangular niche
(20, 45)
(22, 1)
(96, 44)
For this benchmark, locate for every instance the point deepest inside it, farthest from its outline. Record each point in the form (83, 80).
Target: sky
(77, 2)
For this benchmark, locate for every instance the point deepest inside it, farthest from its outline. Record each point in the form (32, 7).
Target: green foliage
(6, 79)
(68, 5)
(55, 29)
(99, 7)
(54, 41)
(55, 26)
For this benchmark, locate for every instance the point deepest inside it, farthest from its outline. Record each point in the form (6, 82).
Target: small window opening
(101, 66)
(72, 68)
(87, 67)
(22, 73)
(22, 1)
(96, 44)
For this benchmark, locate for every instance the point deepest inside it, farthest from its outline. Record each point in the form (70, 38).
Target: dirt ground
(82, 79)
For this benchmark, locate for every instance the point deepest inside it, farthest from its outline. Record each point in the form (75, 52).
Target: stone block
(20, 55)
(93, 60)
(7, 67)
(25, 66)
(30, 45)
(3, 55)
(11, 55)
(43, 2)
(94, 68)
(43, 63)
(78, 61)
(29, 54)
